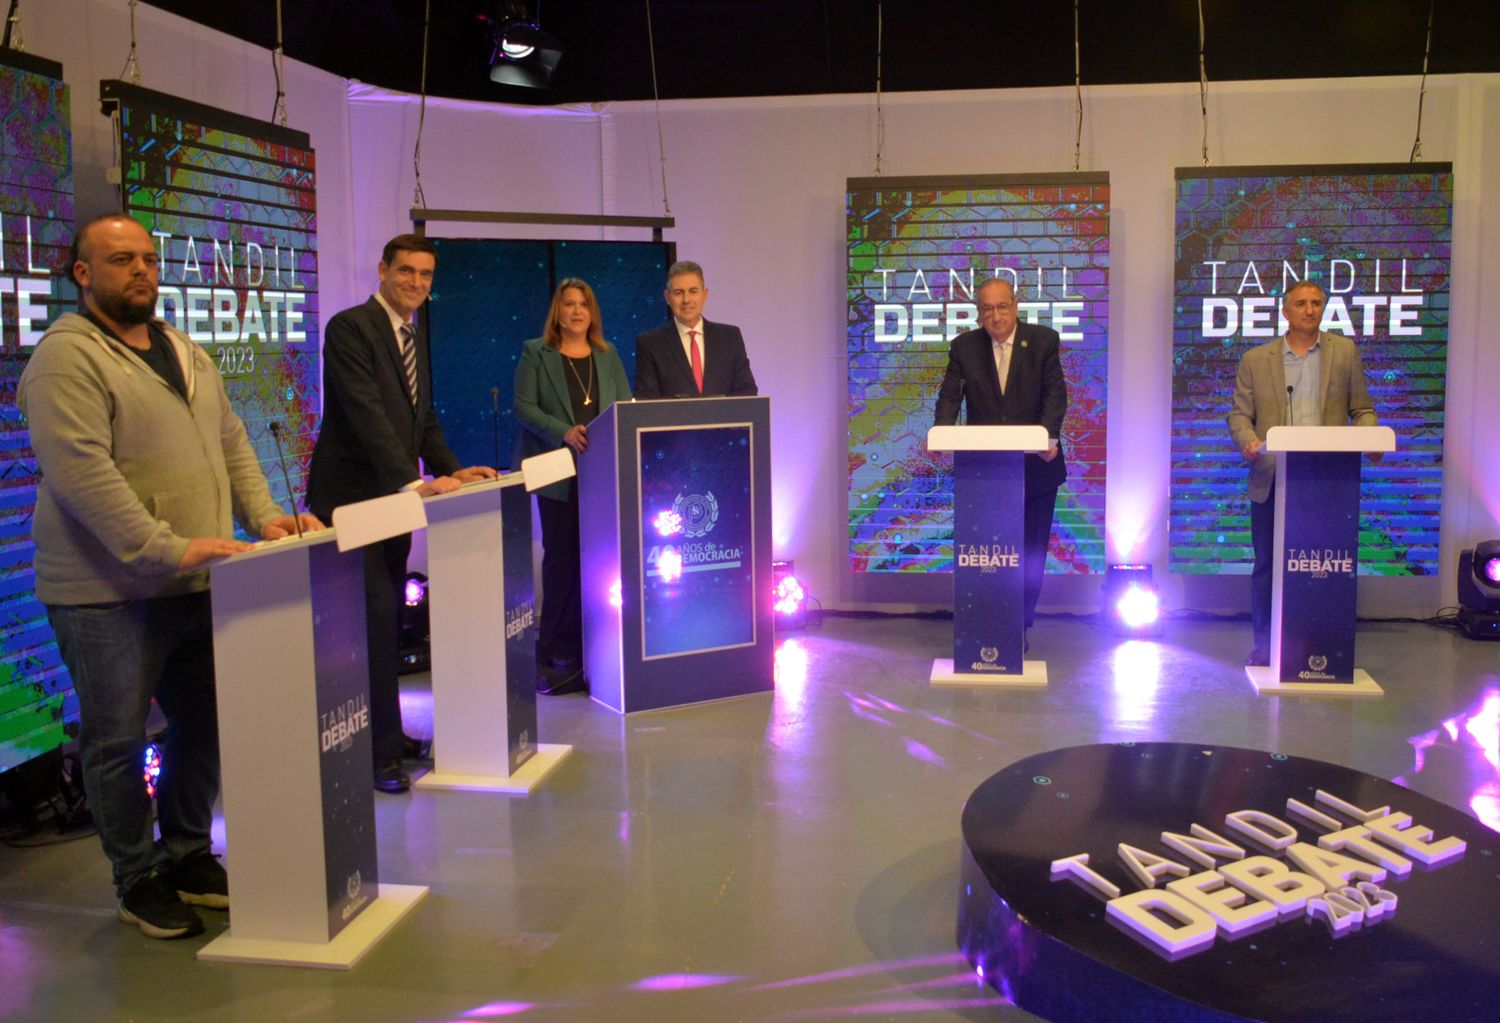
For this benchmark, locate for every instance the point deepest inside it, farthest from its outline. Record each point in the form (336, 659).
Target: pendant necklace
(588, 388)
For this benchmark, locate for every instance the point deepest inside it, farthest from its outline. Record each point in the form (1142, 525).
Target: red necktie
(697, 360)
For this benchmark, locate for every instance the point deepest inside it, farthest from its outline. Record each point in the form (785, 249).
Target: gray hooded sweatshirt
(130, 471)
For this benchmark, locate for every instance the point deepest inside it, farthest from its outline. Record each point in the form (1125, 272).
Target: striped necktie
(409, 359)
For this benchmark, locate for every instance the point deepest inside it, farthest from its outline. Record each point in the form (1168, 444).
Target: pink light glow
(669, 565)
(789, 596)
(682, 981)
(616, 595)
(496, 1009)
(1138, 607)
(668, 522)
(1484, 728)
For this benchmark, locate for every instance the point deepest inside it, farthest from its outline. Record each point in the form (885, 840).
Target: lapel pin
(1023, 344)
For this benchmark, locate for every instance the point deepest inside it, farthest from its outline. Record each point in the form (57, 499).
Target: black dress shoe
(413, 748)
(563, 683)
(1258, 658)
(390, 778)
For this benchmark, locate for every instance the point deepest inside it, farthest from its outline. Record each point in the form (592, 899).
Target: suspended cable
(278, 65)
(1416, 147)
(661, 145)
(1203, 81)
(13, 39)
(879, 61)
(1077, 92)
(132, 68)
(418, 199)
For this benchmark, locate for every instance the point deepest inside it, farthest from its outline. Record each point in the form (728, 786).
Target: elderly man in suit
(378, 422)
(1009, 373)
(1306, 377)
(691, 357)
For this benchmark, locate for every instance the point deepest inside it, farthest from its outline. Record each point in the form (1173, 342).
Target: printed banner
(1379, 240)
(917, 249)
(698, 525)
(38, 710)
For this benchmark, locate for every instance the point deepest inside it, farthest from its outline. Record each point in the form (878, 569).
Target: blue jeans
(121, 656)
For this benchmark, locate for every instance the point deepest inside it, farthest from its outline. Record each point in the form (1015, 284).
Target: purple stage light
(416, 589)
(151, 770)
(1132, 605)
(667, 523)
(791, 598)
(1138, 607)
(1490, 569)
(669, 565)
(616, 595)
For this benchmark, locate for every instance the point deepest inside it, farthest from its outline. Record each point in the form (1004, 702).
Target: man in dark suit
(691, 357)
(377, 422)
(1025, 357)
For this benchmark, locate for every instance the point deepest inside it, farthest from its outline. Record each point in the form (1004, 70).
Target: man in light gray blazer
(1306, 377)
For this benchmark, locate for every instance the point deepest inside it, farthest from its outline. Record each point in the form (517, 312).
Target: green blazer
(544, 408)
(1260, 398)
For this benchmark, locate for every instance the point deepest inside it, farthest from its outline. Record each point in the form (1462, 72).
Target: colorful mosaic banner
(38, 710)
(1379, 240)
(918, 247)
(232, 204)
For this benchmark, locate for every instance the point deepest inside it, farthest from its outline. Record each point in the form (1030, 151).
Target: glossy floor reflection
(786, 857)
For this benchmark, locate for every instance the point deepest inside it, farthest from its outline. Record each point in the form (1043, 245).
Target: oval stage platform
(1179, 882)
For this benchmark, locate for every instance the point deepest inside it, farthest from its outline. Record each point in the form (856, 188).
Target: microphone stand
(286, 477)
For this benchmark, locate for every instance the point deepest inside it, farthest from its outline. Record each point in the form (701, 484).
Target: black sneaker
(153, 906)
(200, 881)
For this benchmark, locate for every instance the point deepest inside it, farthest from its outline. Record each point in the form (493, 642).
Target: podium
(675, 501)
(1316, 548)
(482, 610)
(299, 815)
(989, 555)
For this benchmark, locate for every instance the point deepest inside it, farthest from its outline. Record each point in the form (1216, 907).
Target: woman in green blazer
(565, 379)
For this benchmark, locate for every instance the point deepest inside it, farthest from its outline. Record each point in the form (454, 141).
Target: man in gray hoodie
(142, 462)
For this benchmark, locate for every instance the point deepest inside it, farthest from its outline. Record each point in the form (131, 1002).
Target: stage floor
(777, 857)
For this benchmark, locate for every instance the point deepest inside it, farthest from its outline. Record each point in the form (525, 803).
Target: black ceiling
(710, 48)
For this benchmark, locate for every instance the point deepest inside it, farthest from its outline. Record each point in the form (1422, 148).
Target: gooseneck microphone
(286, 477)
(1289, 404)
(495, 421)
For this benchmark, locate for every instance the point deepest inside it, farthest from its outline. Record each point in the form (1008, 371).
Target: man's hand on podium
(1050, 453)
(577, 437)
(1375, 456)
(438, 485)
(203, 549)
(284, 526)
(1251, 451)
(475, 473)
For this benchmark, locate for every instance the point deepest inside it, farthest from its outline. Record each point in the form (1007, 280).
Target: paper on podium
(1360, 439)
(541, 470)
(380, 518)
(988, 438)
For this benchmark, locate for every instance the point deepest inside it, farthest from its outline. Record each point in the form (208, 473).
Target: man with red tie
(691, 357)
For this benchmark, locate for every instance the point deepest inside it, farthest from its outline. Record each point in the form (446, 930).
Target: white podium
(1316, 551)
(483, 617)
(989, 556)
(299, 817)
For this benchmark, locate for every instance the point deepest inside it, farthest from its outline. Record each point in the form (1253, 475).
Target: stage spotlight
(788, 596)
(1479, 591)
(1132, 605)
(523, 54)
(416, 627)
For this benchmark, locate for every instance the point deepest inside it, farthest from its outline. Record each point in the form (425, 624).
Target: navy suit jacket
(371, 436)
(662, 369)
(1035, 392)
